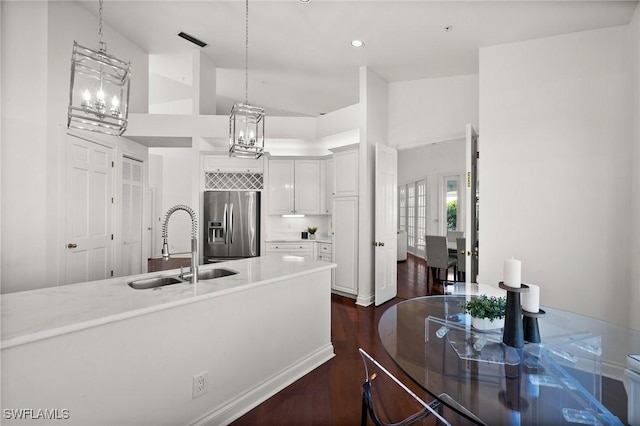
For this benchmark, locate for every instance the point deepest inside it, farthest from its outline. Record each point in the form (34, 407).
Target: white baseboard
(265, 390)
(365, 300)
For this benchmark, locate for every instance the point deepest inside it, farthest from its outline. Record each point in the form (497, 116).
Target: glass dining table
(574, 375)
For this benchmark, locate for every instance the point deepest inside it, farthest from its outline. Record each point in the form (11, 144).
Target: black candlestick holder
(513, 334)
(530, 325)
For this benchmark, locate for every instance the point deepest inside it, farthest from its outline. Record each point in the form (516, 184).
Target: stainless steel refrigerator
(231, 225)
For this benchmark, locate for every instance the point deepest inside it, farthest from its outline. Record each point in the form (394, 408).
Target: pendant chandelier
(99, 91)
(246, 122)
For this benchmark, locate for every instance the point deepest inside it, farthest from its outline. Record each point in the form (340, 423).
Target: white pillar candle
(531, 299)
(511, 275)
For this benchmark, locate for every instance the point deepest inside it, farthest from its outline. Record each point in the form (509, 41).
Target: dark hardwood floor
(331, 394)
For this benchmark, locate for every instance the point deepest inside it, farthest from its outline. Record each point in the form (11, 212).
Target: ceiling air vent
(192, 39)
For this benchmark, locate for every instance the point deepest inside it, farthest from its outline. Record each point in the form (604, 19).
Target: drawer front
(324, 248)
(290, 247)
(324, 257)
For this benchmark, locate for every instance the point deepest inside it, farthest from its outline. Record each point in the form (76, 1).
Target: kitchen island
(109, 354)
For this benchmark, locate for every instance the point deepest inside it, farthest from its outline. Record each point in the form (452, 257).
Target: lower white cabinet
(289, 248)
(324, 251)
(345, 244)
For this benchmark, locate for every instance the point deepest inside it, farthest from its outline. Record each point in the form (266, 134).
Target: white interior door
(386, 224)
(89, 211)
(131, 248)
(471, 206)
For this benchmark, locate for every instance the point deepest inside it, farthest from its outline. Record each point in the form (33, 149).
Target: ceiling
(300, 59)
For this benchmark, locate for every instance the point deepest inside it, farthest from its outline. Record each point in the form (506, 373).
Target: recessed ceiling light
(357, 43)
(304, 1)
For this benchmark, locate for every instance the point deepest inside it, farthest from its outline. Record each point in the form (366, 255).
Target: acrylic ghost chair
(387, 400)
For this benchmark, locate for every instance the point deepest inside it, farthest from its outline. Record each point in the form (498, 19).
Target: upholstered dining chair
(389, 402)
(438, 255)
(462, 258)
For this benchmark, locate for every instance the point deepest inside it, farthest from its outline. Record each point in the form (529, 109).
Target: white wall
(177, 171)
(34, 109)
(171, 83)
(555, 168)
(431, 162)
(291, 227)
(207, 86)
(634, 41)
(431, 110)
(24, 143)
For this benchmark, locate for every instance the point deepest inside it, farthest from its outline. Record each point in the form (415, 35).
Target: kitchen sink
(154, 282)
(210, 274)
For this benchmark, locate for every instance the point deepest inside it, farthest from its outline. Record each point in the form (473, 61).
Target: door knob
(72, 245)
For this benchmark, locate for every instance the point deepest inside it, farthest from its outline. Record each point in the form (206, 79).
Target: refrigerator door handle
(224, 225)
(231, 224)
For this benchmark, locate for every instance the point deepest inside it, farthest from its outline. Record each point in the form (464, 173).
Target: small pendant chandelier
(246, 122)
(99, 91)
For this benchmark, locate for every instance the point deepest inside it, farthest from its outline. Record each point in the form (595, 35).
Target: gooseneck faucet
(194, 240)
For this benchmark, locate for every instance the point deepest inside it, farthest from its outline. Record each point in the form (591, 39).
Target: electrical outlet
(200, 383)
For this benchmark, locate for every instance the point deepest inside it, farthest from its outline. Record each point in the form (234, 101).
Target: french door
(412, 215)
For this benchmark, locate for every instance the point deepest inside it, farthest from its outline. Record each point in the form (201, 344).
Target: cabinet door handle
(72, 245)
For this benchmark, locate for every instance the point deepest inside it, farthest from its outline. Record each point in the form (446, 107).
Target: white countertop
(324, 239)
(38, 314)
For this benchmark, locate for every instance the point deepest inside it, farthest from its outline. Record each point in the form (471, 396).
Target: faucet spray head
(165, 250)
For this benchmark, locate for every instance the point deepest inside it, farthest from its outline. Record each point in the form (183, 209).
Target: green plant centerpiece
(487, 312)
(312, 231)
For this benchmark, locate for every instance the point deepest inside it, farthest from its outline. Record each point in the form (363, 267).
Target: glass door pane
(411, 213)
(421, 217)
(402, 207)
(451, 204)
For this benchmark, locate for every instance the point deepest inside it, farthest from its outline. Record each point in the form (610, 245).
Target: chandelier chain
(100, 24)
(246, 53)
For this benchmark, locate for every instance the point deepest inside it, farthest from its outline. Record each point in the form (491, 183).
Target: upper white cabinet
(307, 187)
(294, 187)
(222, 163)
(346, 172)
(281, 181)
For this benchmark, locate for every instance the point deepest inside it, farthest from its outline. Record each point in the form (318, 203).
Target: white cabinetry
(307, 187)
(281, 180)
(345, 244)
(294, 187)
(329, 186)
(324, 251)
(293, 249)
(346, 172)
